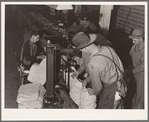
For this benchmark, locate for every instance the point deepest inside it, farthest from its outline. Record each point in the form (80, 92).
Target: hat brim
(92, 39)
(135, 37)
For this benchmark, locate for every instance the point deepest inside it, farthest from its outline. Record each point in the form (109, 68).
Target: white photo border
(71, 114)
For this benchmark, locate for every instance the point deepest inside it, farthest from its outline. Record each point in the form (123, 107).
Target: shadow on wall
(122, 45)
(119, 39)
(105, 33)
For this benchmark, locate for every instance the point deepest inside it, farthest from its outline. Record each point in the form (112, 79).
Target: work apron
(107, 98)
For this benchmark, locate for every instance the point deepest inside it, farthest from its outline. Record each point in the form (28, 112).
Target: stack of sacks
(87, 101)
(30, 96)
(38, 73)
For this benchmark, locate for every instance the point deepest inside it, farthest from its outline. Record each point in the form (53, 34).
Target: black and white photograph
(74, 60)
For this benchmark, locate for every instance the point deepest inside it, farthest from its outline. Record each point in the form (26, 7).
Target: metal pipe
(50, 69)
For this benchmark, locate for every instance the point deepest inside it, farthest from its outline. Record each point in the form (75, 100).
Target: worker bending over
(104, 70)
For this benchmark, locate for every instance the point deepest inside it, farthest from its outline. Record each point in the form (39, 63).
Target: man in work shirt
(103, 73)
(137, 55)
(101, 41)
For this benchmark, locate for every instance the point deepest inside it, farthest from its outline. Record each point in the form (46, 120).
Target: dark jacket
(102, 41)
(29, 54)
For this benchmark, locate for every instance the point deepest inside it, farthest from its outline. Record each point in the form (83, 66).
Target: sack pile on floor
(30, 96)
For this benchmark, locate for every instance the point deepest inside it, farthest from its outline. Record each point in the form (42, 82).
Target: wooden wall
(123, 19)
(129, 17)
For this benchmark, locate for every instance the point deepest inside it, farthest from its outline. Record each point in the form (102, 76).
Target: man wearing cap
(85, 25)
(137, 55)
(103, 74)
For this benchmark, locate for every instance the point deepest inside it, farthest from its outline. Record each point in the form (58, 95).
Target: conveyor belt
(52, 27)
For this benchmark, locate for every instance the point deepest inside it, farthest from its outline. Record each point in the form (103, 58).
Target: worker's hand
(21, 68)
(41, 57)
(84, 83)
(75, 74)
(44, 49)
(57, 46)
(90, 91)
(87, 80)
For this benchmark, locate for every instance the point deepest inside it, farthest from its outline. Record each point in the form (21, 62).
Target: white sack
(87, 101)
(75, 90)
(80, 95)
(38, 73)
(30, 96)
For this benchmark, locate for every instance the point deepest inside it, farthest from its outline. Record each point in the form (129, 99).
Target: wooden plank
(120, 22)
(136, 19)
(122, 15)
(123, 12)
(134, 9)
(121, 18)
(127, 28)
(137, 15)
(130, 25)
(140, 7)
(119, 25)
(133, 26)
(127, 6)
(134, 12)
(124, 8)
(128, 32)
(137, 11)
(130, 6)
(119, 28)
(135, 23)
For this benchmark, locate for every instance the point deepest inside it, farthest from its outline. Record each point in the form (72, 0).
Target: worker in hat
(137, 55)
(101, 41)
(68, 18)
(103, 74)
(85, 25)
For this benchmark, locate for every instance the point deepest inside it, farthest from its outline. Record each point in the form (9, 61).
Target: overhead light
(64, 7)
(61, 7)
